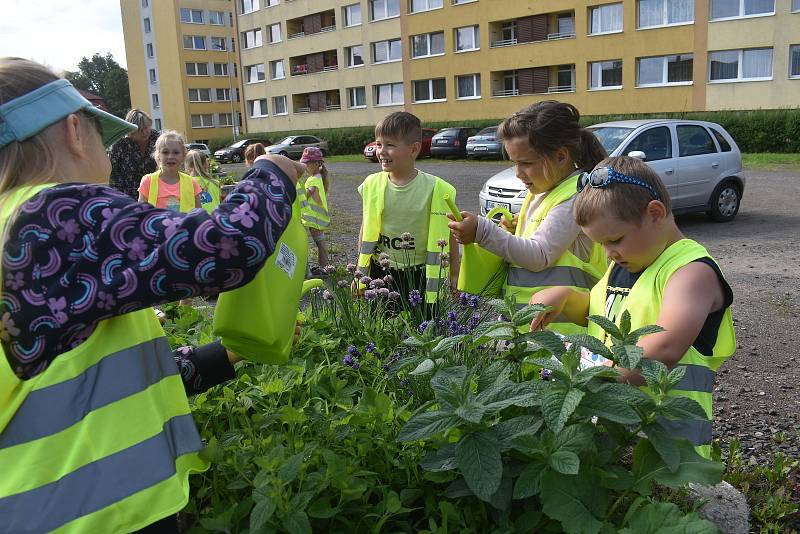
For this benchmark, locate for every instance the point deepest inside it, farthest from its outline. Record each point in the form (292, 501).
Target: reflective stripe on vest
(568, 270)
(315, 214)
(373, 193)
(187, 200)
(644, 305)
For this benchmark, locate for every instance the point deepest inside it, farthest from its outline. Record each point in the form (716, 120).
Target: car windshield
(492, 130)
(448, 133)
(611, 136)
(285, 141)
(239, 144)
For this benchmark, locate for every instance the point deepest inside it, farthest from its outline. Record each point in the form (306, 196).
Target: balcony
(324, 21)
(326, 61)
(532, 29)
(534, 81)
(317, 102)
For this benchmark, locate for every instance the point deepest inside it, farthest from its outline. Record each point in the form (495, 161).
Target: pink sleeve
(197, 188)
(144, 186)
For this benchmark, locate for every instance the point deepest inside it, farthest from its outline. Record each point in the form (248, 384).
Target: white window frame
(221, 16)
(427, 8)
(664, 71)
(376, 92)
(254, 6)
(251, 108)
(600, 87)
(153, 77)
(428, 39)
(345, 18)
(386, 3)
(795, 7)
(147, 26)
(739, 64)
(226, 95)
(792, 48)
(155, 100)
(348, 50)
(388, 43)
(605, 6)
(223, 43)
(273, 70)
(476, 81)
(275, 107)
(664, 17)
(476, 37)
(430, 100)
(741, 14)
(149, 50)
(202, 116)
(351, 91)
(222, 123)
(270, 35)
(225, 69)
(257, 39)
(192, 13)
(195, 63)
(198, 95)
(459, 2)
(194, 42)
(247, 70)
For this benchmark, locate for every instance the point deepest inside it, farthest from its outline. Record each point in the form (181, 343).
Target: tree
(104, 77)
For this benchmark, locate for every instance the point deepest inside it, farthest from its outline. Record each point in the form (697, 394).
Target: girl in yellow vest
(659, 277)
(315, 212)
(550, 150)
(168, 187)
(196, 166)
(96, 434)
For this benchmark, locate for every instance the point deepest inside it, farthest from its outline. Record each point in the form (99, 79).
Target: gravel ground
(756, 396)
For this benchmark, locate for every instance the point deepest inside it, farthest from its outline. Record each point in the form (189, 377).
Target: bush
(754, 131)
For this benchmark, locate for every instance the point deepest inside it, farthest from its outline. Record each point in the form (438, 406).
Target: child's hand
(464, 231)
(556, 298)
(511, 225)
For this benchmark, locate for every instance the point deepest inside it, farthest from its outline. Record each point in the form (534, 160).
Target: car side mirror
(638, 154)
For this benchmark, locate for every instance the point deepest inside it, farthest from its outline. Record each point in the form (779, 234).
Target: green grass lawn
(770, 161)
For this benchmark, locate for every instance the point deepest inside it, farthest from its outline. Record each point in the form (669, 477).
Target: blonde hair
(139, 118)
(252, 152)
(626, 202)
(163, 139)
(196, 164)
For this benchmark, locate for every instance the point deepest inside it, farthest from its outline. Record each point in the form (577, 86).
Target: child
(658, 276)
(196, 166)
(404, 215)
(252, 152)
(550, 150)
(315, 211)
(95, 424)
(168, 187)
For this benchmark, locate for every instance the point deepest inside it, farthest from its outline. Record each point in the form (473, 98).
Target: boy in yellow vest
(658, 276)
(404, 230)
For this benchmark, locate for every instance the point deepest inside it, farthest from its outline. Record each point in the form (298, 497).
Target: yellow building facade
(183, 65)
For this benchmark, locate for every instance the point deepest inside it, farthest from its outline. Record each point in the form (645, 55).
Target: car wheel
(724, 202)
(236, 158)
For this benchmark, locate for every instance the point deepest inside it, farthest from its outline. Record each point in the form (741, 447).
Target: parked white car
(200, 147)
(699, 163)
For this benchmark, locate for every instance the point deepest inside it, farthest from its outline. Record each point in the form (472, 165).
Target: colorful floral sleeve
(78, 254)
(203, 367)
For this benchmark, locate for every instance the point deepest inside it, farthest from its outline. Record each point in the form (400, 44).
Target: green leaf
(523, 394)
(572, 360)
(664, 444)
(448, 379)
(289, 470)
(565, 462)
(425, 366)
(606, 404)
(609, 327)
(639, 333)
(558, 405)
(667, 518)
(497, 373)
(297, 523)
(471, 410)
(599, 371)
(625, 323)
(442, 459)
(321, 509)
(628, 356)
(529, 482)
(509, 429)
(492, 331)
(590, 343)
(648, 467)
(675, 376)
(392, 501)
(524, 316)
(447, 345)
(501, 499)
(427, 424)
(262, 511)
(478, 458)
(575, 438)
(547, 340)
(674, 407)
(575, 501)
(615, 477)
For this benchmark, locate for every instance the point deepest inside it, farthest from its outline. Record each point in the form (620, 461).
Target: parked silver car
(699, 163)
(293, 145)
(485, 144)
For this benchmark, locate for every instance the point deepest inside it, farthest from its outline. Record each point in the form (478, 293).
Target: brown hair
(400, 125)
(550, 125)
(139, 118)
(253, 151)
(627, 202)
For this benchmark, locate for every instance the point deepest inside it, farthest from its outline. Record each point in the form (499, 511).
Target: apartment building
(182, 65)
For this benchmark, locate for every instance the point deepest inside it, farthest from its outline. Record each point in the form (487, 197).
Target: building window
(149, 49)
(276, 71)
(157, 124)
(254, 73)
(795, 6)
(415, 6)
(191, 16)
(605, 75)
(274, 32)
(356, 97)
(654, 13)
(216, 18)
(468, 86)
(427, 44)
(205, 120)
(154, 98)
(194, 42)
(199, 95)
(279, 105)
(146, 25)
(467, 38)
(272, 3)
(385, 51)
(605, 19)
(794, 61)
(257, 108)
(384, 9)
(145, 3)
(220, 69)
(218, 43)
(429, 90)
(351, 15)
(248, 6)
(153, 76)
(197, 69)
(355, 55)
(389, 94)
(730, 9)
(664, 70)
(252, 38)
(740, 65)
(224, 119)
(223, 95)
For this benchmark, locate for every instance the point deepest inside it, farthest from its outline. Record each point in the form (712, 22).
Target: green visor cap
(29, 114)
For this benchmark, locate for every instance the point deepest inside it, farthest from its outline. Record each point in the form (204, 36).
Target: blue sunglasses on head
(604, 176)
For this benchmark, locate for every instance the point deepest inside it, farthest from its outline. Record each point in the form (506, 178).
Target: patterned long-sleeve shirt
(129, 164)
(77, 254)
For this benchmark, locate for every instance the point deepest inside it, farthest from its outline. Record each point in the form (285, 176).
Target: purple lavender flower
(348, 360)
(545, 374)
(462, 298)
(423, 326)
(365, 280)
(353, 351)
(358, 273)
(356, 365)
(383, 292)
(351, 268)
(441, 243)
(385, 263)
(394, 295)
(327, 295)
(370, 294)
(376, 283)
(414, 297)
(405, 245)
(343, 284)
(370, 347)
(405, 236)
(404, 382)
(474, 321)
(451, 315)
(473, 301)
(386, 368)
(388, 279)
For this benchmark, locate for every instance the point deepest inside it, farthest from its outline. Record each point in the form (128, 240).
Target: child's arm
(312, 192)
(573, 305)
(142, 198)
(197, 202)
